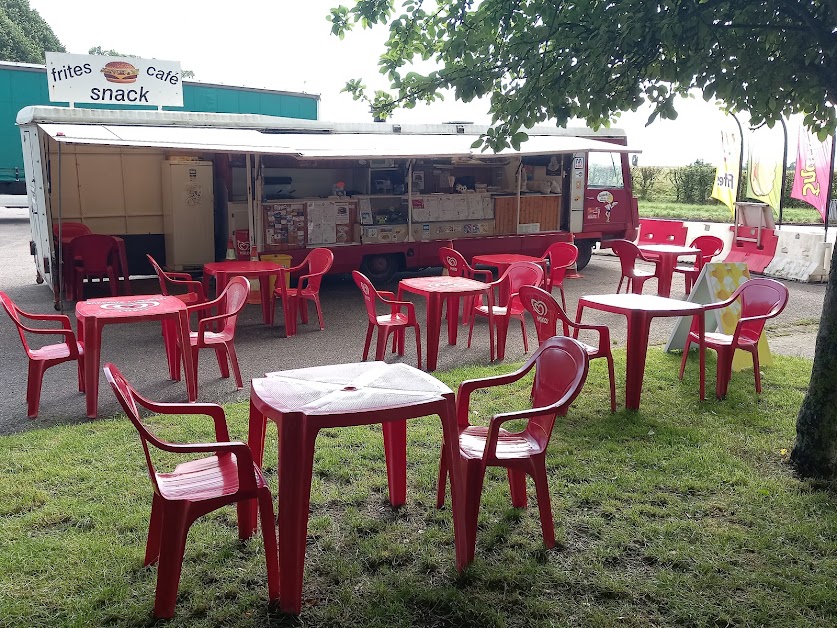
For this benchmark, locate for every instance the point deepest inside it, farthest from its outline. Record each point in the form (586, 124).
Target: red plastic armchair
(70, 230)
(50, 355)
(95, 256)
(178, 282)
(628, 254)
(760, 299)
(502, 304)
(521, 452)
(318, 262)
(458, 266)
(709, 246)
(395, 322)
(560, 256)
(195, 488)
(547, 314)
(229, 302)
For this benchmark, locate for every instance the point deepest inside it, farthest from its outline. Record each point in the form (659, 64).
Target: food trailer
(383, 197)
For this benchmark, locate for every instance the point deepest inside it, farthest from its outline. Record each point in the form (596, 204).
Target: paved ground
(138, 351)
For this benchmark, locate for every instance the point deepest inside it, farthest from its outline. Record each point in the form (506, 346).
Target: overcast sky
(288, 46)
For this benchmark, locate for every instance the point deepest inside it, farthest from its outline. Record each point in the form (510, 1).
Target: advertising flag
(726, 176)
(810, 177)
(764, 170)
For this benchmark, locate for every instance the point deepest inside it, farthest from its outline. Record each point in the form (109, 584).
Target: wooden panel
(100, 185)
(145, 224)
(113, 226)
(70, 204)
(142, 184)
(541, 209)
(505, 215)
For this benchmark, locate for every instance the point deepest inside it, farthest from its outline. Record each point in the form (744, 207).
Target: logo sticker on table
(130, 306)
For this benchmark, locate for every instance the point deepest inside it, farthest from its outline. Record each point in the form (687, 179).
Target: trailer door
(607, 201)
(39, 222)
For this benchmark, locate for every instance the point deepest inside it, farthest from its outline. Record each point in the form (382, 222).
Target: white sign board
(113, 80)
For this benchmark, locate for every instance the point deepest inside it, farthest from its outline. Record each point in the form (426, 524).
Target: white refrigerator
(188, 214)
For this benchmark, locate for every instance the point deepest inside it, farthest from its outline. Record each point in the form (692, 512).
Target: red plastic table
(666, 257)
(501, 261)
(94, 314)
(303, 401)
(639, 309)
(224, 271)
(433, 289)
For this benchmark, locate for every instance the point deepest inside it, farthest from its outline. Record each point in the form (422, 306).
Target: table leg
(502, 324)
(453, 318)
(170, 337)
(247, 511)
(205, 283)
(702, 353)
(264, 293)
(296, 460)
(91, 331)
(188, 366)
(637, 348)
(395, 452)
(465, 546)
(434, 324)
(665, 271)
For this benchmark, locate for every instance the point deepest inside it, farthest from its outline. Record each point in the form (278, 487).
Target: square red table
(302, 402)
(433, 289)
(502, 261)
(92, 315)
(639, 309)
(224, 271)
(666, 257)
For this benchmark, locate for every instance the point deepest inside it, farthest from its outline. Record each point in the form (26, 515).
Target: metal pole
(740, 157)
(410, 200)
(60, 238)
(830, 186)
(784, 168)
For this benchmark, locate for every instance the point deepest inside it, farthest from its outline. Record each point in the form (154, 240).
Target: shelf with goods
(294, 224)
(446, 216)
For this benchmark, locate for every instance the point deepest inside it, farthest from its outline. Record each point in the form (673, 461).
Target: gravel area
(138, 349)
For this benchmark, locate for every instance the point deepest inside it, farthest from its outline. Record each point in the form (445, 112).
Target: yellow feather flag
(726, 176)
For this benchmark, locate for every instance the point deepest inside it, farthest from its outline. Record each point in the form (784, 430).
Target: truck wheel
(379, 268)
(585, 251)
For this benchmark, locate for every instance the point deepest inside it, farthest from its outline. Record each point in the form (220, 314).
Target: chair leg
(723, 371)
(172, 546)
(525, 339)
(612, 378)
(563, 297)
(221, 357)
(619, 287)
(80, 368)
(383, 336)
(302, 307)
(471, 329)
(271, 552)
(155, 531)
(418, 345)
(195, 360)
(273, 300)
(33, 387)
(517, 487)
(756, 371)
(370, 329)
(234, 364)
(685, 356)
(319, 312)
(544, 503)
(441, 483)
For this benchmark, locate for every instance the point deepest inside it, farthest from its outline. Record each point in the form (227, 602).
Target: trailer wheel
(38, 278)
(585, 251)
(379, 268)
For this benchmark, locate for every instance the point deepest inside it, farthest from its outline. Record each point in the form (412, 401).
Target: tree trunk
(815, 452)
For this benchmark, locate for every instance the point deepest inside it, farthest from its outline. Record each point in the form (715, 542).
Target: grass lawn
(684, 513)
(716, 212)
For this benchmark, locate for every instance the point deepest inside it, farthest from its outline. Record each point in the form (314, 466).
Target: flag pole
(740, 157)
(784, 168)
(830, 187)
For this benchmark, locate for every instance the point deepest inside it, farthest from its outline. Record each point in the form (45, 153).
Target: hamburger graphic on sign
(113, 80)
(120, 72)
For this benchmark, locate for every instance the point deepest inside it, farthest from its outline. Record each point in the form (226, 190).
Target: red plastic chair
(560, 255)
(709, 246)
(229, 302)
(178, 282)
(395, 322)
(761, 299)
(628, 254)
(195, 488)
(95, 256)
(318, 262)
(503, 304)
(457, 266)
(547, 314)
(50, 355)
(524, 452)
(70, 230)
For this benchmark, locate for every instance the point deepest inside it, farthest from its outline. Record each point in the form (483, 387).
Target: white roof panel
(312, 145)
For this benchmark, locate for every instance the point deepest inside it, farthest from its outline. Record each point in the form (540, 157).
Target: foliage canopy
(24, 35)
(592, 59)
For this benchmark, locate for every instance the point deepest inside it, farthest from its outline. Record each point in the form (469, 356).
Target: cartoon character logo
(607, 198)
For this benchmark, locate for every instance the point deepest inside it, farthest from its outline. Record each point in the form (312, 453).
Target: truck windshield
(604, 170)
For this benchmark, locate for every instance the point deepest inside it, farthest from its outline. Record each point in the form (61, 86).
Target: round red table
(92, 315)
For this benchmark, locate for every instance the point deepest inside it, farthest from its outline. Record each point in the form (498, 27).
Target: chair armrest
(386, 294)
(463, 394)
(215, 412)
(62, 318)
(603, 330)
(69, 336)
(487, 274)
(190, 284)
(177, 276)
(498, 420)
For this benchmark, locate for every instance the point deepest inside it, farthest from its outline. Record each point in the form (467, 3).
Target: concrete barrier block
(800, 256)
(717, 229)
